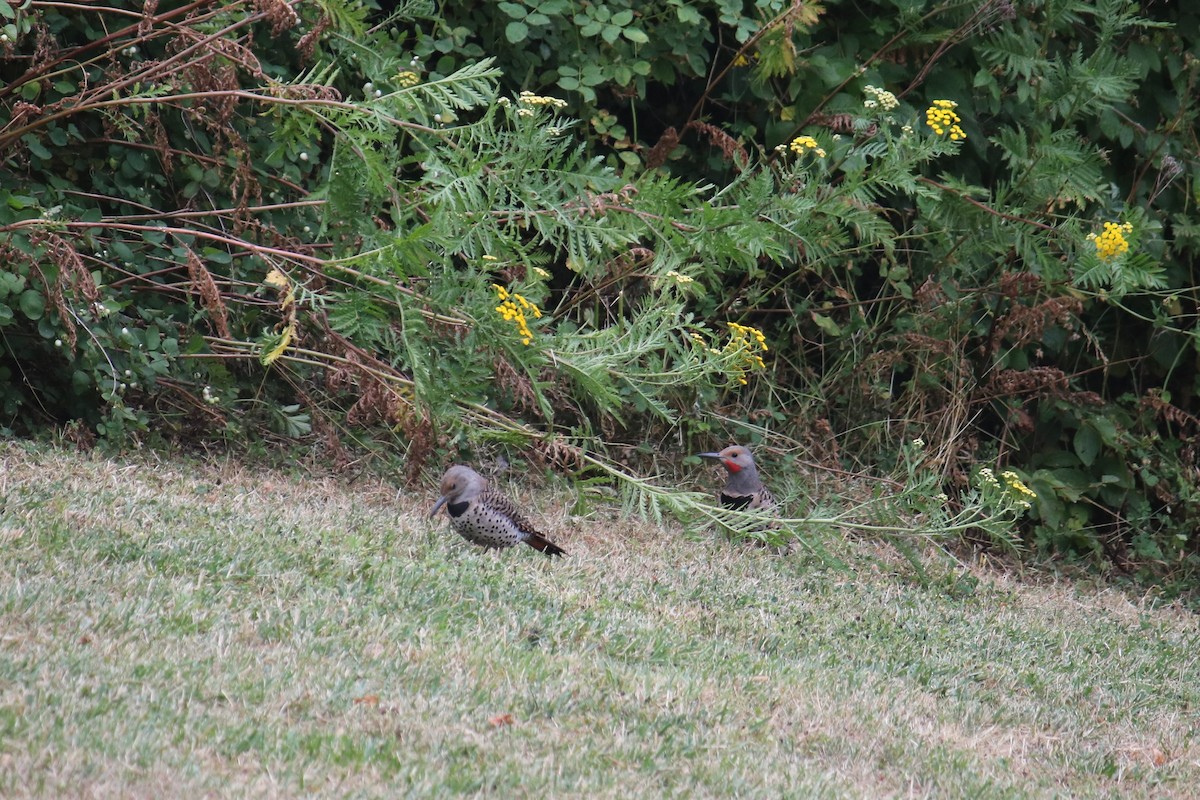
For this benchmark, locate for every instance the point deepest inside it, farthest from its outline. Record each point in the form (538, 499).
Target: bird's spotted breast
(486, 526)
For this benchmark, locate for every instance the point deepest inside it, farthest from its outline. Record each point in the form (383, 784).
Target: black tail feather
(541, 543)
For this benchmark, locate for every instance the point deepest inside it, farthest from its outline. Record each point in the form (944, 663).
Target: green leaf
(1087, 444)
(516, 32)
(592, 75)
(514, 10)
(11, 283)
(622, 18)
(36, 147)
(121, 250)
(826, 324)
(216, 256)
(19, 201)
(636, 35)
(32, 304)
(1106, 428)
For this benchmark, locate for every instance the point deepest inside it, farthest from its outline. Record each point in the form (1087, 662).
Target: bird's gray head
(459, 484)
(741, 467)
(735, 458)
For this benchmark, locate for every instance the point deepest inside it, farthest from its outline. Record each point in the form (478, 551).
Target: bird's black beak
(708, 455)
(438, 505)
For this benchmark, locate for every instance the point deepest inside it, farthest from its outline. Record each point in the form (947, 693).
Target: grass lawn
(173, 628)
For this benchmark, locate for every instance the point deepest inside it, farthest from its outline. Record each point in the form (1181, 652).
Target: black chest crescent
(457, 509)
(736, 502)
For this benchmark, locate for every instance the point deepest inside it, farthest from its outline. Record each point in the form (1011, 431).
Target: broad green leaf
(1087, 444)
(32, 304)
(516, 32)
(826, 324)
(514, 10)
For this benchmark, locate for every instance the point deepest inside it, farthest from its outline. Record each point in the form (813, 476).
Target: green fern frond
(472, 86)
(320, 74)
(357, 316)
(348, 18)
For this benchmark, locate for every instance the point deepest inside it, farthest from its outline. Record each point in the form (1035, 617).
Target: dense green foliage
(342, 220)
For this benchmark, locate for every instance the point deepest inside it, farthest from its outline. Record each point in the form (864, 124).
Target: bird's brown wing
(535, 538)
(500, 502)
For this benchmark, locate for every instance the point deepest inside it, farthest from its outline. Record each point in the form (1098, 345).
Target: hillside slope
(174, 628)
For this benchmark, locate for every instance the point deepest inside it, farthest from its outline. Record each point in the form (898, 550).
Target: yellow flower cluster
(702, 342)
(941, 117)
(743, 350)
(528, 103)
(1111, 243)
(1021, 493)
(531, 99)
(803, 144)
(746, 333)
(1013, 488)
(512, 309)
(407, 79)
(880, 98)
(679, 277)
(749, 341)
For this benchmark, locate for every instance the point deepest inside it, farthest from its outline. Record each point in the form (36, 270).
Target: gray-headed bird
(484, 516)
(744, 489)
